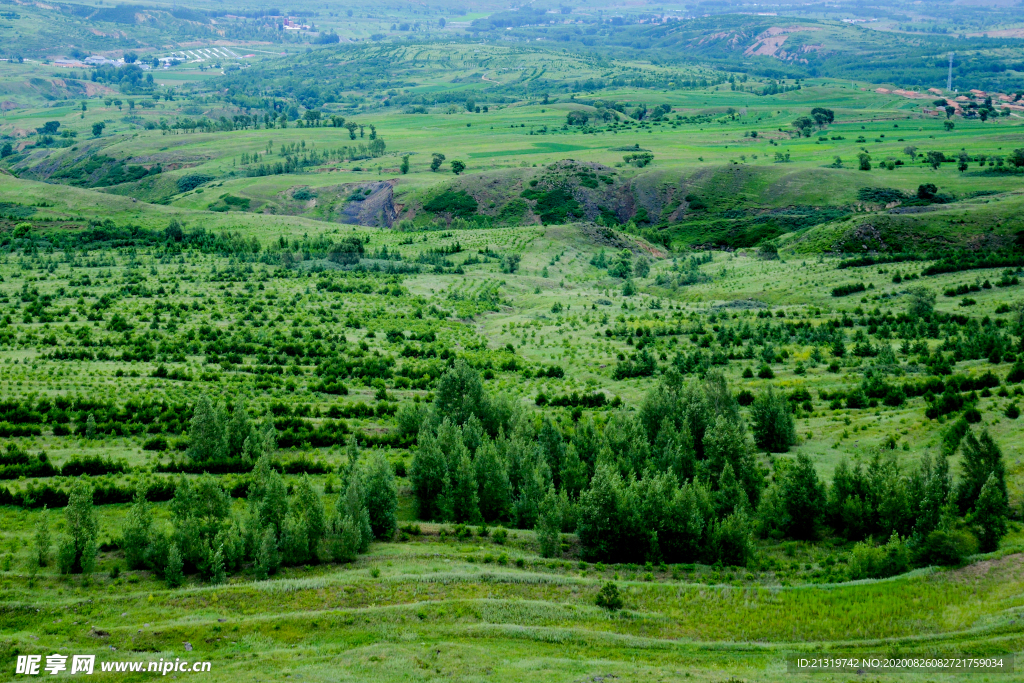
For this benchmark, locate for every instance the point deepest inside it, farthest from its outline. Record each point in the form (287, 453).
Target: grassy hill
(398, 358)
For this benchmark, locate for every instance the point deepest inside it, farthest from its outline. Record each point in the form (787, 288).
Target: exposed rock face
(376, 209)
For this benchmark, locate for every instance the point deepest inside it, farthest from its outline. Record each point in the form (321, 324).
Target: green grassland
(709, 153)
(462, 607)
(334, 298)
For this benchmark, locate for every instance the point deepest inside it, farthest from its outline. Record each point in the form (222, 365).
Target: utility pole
(949, 80)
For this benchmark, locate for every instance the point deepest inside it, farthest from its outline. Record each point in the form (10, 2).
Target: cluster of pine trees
(688, 477)
(205, 536)
(217, 435)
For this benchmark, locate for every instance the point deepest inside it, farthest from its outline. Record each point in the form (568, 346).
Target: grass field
(160, 260)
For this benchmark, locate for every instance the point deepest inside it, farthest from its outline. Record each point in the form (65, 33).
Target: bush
(846, 290)
(609, 597)
(1016, 374)
(947, 548)
(458, 204)
(773, 425)
(93, 466)
(871, 562)
(192, 181)
(157, 443)
(731, 540)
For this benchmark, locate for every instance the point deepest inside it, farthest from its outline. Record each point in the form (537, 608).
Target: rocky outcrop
(375, 209)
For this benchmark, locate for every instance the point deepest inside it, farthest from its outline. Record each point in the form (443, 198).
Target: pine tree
(495, 491)
(772, 519)
(90, 427)
(989, 515)
(310, 512)
(135, 534)
(527, 505)
(450, 441)
(218, 570)
(472, 434)
(804, 498)
(173, 572)
(459, 394)
(239, 429)
(293, 544)
(381, 492)
(202, 500)
(551, 447)
(575, 476)
(730, 540)
(609, 597)
(77, 553)
(549, 525)
(353, 505)
(937, 486)
(772, 419)
(637, 455)
(981, 457)
(261, 441)
(267, 557)
(568, 512)
(465, 503)
(724, 443)
(729, 497)
(268, 498)
(42, 539)
(429, 476)
(600, 525)
(673, 450)
(206, 435)
(229, 540)
(588, 442)
(344, 538)
(351, 465)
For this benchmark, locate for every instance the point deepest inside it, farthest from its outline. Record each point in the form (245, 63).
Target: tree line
(207, 537)
(688, 477)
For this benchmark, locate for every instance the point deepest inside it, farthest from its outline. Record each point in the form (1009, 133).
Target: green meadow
(468, 370)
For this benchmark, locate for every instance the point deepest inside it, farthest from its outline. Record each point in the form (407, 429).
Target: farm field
(469, 343)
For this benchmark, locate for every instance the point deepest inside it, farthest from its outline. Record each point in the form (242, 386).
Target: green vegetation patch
(748, 227)
(455, 203)
(554, 206)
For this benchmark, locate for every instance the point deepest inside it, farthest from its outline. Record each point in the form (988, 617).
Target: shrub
(871, 562)
(380, 495)
(773, 425)
(173, 573)
(192, 181)
(458, 204)
(93, 466)
(947, 547)
(609, 597)
(846, 290)
(731, 540)
(1016, 374)
(157, 443)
